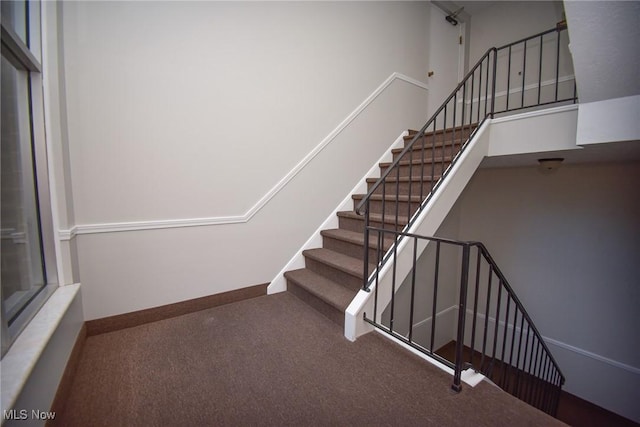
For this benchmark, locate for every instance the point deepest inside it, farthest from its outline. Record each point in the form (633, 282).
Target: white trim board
(238, 219)
(563, 345)
(598, 357)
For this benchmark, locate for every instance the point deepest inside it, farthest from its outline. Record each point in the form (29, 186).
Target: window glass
(14, 16)
(21, 258)
(23, 278)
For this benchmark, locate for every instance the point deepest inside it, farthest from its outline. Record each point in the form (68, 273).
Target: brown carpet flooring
(271, 360)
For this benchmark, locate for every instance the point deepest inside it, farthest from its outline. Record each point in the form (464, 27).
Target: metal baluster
(541, 391)
(508, 78)
(493, 86)
(495, 333)
(524, 71)
(540, 70)
(462, 314)
(518, 370)
(435, 296)
(410, 181)
(534, 377)
(504, 340)
(453, 133)
(475, 306)
(557, 64)
(486, 321)
(464, 110)
(513, 340)
(393, 284)
(444, 139)
(397, 202)
(543, 368)
(365, 276)
(384, 201)
(480, 94)
(379, 252)
(473, 77)
(422, 170)
(433, 157)
(413, 287)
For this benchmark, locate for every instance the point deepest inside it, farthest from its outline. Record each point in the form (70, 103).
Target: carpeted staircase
(333, 273)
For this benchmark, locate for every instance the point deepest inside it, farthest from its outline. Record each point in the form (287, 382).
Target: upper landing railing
(529, 73)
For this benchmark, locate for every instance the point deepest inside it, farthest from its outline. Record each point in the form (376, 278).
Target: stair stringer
(426, 224)
(279, 283)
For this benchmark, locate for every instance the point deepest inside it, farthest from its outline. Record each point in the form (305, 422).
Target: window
(25, 261)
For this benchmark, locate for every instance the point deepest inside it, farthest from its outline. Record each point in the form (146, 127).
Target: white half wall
(551, 129)
(609, 121)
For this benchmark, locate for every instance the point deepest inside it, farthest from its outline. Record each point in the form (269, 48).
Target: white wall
(610, 120)
(183, 110)
(509, 21)
(604, 45)
(567, 242)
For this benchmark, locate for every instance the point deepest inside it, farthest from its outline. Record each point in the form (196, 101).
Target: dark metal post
(365, 276)
(493, 86)
(462, 312)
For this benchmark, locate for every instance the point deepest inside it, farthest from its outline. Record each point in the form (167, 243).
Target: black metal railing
(479, 324)
(520, 75)
(530, 73)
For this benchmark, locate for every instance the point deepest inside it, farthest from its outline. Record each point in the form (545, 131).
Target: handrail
(505, 283)
(448, 124)
(538, 383)
(416, 137)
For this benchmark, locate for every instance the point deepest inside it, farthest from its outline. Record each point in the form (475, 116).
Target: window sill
(18, 363)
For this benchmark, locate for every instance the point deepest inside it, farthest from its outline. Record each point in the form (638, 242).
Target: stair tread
(431, 143)
(391, 178)
(446, 159)
(389, 197)
(465, 128)
(327, 290)
(389, 219)
(354, 237)
(350, 265)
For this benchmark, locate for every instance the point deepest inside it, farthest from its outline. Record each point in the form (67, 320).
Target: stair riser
(429, 153)
(403, 188)
(327, 310)
(418, 169)
(350, 249)
(338, 276)
(404, 208)
(357, 225)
